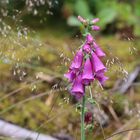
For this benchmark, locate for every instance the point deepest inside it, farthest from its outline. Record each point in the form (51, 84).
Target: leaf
(82, 9)
(137, 29)
(73, 21)
(125, 13)
(107, 15)
(137, 7)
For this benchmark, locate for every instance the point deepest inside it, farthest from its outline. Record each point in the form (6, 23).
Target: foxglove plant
(86, 67)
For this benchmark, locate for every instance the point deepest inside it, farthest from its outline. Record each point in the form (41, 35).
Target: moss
(31, 57)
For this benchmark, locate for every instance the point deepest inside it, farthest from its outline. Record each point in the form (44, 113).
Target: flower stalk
(83, 119)
(86, 68)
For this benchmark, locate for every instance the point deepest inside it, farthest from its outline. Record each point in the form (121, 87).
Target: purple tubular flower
(87, 75)
(101, 77)
(96, 63)
(95, 28)
(87, 48)
(95, 20)
(98, 50)
(89, 39)
(78, 59)
(78, 88)
(86, 65)
(70, 75)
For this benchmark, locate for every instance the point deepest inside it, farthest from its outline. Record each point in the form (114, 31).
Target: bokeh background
(37, 41)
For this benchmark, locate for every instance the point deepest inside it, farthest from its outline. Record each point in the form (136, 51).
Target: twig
(10, 130)
(99, 122)
(118, 133)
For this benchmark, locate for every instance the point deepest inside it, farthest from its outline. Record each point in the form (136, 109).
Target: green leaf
(90, 100)
(90, 127)
(137, 29)
(73, 21)
(107, 15)
(137, 7)
(82, 9)
(125, 13)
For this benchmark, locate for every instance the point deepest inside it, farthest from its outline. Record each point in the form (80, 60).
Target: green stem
(82, 119)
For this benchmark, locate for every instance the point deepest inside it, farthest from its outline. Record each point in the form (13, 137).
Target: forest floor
(31, 78)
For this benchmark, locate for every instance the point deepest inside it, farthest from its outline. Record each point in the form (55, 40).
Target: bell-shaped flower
(98, 50)
(87, 48)
(87, 75)
(95, 20)
(101, 77)
(89, 39)
(78, 59)
(95, 28)
(70, 75)
(96, 63)
(78, 88)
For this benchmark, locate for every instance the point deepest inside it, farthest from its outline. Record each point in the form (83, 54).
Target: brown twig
(124, 131)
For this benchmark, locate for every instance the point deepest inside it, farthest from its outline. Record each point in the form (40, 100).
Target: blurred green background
(37, 40)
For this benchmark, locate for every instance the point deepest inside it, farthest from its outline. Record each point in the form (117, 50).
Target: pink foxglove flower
(98, 50)
(101, 77)
(97, 64)
(95, 28)
(78, 88)
(87, 75)
(89, 39)
(95, 20)
(82, 20)
(86, 65)
(70, 75)
(78, 59)
(87, 48)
